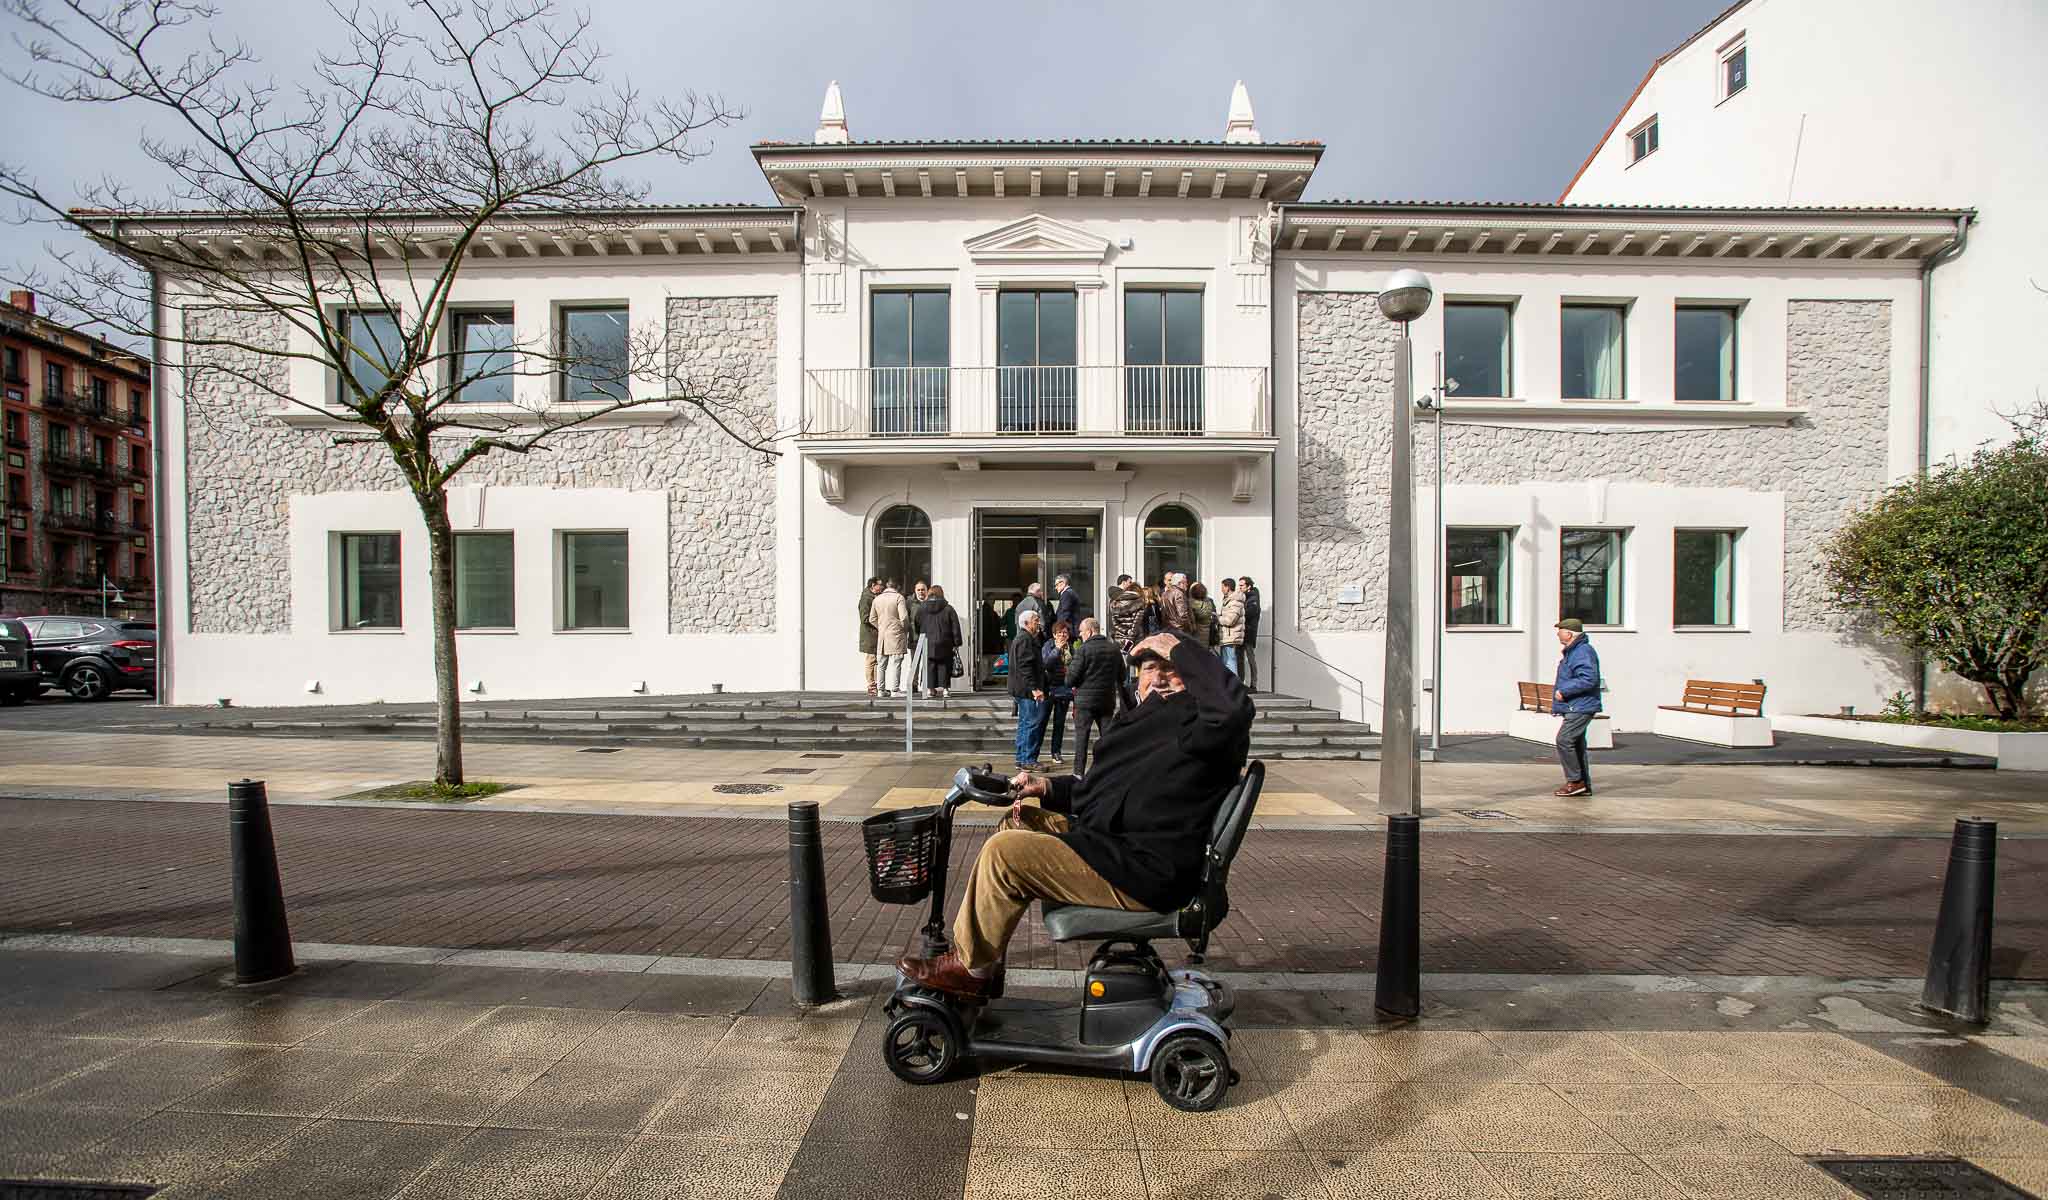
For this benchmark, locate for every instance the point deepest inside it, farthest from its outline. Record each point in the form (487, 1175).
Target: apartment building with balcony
(75, 411)
(995, 362)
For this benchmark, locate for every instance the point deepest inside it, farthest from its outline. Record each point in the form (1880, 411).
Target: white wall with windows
(1521, 339)
(1865, 103)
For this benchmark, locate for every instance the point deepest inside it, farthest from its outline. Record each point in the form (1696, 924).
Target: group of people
(891, 623)
(1077, 665)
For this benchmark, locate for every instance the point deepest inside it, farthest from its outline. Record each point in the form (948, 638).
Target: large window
(369, 580)
(1162, 361)
(1703, 577)
(483, 363)
(483, 581)
(595, 362)
(1036, 349)
(903, 545)
(1591, 351)
(1589, 578)
(1173, 542)
(1705, 337)
(371, 347)
(1476, 565)
(594, 580)
(1477, 348)
(909, 347)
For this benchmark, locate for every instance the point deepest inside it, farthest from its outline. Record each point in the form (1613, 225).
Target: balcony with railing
(65, 462)
(1186, 404)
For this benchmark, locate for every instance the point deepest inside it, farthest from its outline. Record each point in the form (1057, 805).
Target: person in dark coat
(1067, 607)
(1576, 698)
(1027, 687)
(868, 592)
(1249, 656)
(1096, 675)
(939, 625)
(1132, 835)
(1058, 696)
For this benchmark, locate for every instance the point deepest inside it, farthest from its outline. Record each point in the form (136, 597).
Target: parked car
(19, 678)
(94, 657)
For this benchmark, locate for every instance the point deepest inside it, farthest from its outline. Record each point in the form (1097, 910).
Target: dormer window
(1642, 141)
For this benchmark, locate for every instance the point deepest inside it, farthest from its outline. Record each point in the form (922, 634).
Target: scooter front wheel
(922, 1046)
(1191, 1072)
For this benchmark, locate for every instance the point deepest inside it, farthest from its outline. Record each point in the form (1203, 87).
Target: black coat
(1095, 673)
(940, 625)
(1067, 608)
(1027, 673)
(1252, 609)
(1141, 818)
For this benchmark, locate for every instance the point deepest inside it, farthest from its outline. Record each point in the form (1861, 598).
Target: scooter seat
(1074, 922)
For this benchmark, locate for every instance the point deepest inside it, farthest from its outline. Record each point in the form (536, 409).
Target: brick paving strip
(1541, 904)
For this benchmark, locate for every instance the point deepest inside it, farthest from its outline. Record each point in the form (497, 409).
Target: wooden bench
(1533, 721)
(1719, 713)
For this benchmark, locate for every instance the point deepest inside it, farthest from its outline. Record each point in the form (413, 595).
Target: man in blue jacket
(1576, 698)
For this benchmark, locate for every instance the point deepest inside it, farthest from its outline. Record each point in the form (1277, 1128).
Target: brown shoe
(1574, 789)
(946, 974)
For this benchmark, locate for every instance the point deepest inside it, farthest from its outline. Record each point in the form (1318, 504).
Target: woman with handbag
(939, 625)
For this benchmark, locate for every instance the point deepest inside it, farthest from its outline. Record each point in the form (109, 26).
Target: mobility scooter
(1133, 1013)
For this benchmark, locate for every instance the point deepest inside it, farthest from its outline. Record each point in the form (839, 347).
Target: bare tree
(345, 209)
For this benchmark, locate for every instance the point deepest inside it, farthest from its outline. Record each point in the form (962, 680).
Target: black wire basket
(900, 847)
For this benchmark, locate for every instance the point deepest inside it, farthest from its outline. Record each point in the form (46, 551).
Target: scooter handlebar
(983, 786)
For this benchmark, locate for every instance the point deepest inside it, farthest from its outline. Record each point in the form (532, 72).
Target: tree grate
(600, 750)
(27, 1189)
(745, 789)
(1485, 814)
(822, 755)
(1917, 1178)
(789, 770)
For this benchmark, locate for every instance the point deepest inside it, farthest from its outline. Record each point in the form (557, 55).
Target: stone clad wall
(1826, 464)
(243, 467)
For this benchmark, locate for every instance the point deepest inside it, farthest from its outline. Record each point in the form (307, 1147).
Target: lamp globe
(1406, 296)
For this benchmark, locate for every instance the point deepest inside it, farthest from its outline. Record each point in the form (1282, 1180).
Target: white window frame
(1738, 618)
(1656, 137)
(487, 629)
(560, 578)
(337, 583)
(1625, 307)
(341, 315)
(559, 340)
(1738, 45)
(1510, 366)
(1624, 552)
(1508, 581)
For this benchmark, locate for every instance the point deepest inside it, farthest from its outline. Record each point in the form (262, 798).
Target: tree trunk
(447, 697)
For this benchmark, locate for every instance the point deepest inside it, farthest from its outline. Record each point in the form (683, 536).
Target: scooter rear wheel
(921, 1046)
(1191, 1072)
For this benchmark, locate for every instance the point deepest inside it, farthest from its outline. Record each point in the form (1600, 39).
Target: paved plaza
(379, 1079)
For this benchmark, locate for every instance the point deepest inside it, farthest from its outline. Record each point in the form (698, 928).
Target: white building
(1871, 102)
(1011, 360)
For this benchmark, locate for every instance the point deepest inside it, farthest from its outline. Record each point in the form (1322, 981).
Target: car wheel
(87, 682)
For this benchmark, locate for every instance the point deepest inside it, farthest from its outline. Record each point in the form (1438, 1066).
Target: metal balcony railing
(987, 401)
(17, 441)
(66, 462)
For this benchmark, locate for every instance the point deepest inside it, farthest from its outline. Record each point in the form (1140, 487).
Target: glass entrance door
(1013, 551)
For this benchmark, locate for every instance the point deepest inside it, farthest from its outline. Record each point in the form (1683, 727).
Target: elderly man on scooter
(1130, 835)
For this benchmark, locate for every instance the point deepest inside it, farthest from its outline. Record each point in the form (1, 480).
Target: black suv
(19, 678)
(94, 657)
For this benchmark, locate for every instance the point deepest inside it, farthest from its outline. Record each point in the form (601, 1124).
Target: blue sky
(1463, 100)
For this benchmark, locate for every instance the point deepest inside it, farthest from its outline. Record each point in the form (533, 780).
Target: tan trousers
(869, 660)
(1023, 862)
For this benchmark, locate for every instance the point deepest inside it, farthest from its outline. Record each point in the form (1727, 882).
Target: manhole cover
(1919, 1179)
(600, 750)
(19, 1189)
(789, 770)
(1485, 814)
(823, 755)
(745, 789)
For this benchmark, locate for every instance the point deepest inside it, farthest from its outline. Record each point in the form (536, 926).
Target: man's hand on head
(1161, 644)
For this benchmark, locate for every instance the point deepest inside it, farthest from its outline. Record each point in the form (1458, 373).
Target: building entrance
(1013, 551)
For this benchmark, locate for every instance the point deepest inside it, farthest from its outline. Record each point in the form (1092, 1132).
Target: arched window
(1173, 542)
(903, 545)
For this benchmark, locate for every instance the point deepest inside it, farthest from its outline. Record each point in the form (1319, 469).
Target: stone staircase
(968, 725)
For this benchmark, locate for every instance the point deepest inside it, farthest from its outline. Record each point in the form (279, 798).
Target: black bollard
(1397, 991)
(810, 926)
(263, 942)
(1959, 966)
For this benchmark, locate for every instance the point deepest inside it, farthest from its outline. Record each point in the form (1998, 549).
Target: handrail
(1326, 663)
(916, 663)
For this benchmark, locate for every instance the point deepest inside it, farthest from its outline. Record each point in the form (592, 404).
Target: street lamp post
(1407, 295)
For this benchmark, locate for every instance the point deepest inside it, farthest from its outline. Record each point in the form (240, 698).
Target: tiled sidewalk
(378, 1080)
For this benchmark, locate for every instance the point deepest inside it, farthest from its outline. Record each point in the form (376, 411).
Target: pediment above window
(1037, 238)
